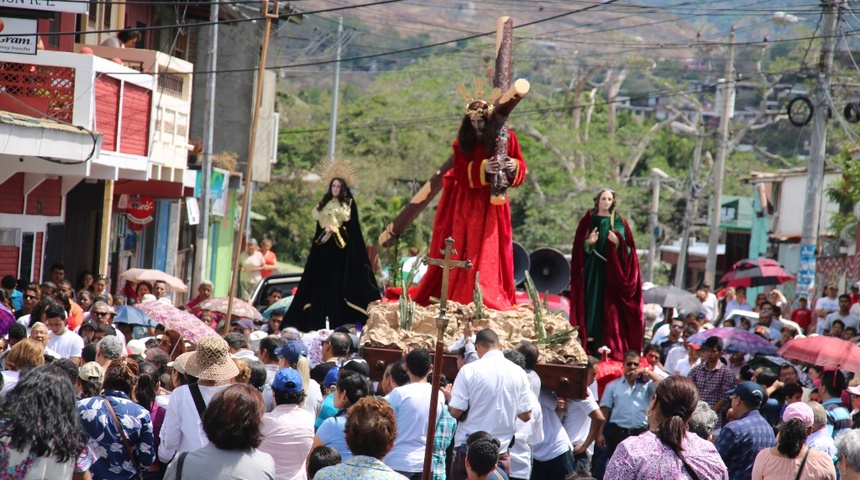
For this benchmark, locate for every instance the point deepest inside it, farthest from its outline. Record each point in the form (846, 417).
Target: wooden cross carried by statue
(502, 107)
(441, 324)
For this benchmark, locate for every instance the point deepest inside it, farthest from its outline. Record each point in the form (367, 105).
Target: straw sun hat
(211, 361)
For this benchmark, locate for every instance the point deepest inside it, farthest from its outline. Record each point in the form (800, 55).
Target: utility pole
(720, 164)
(249, 167)
(334, 96)
(201, 252)
(657, 176)
(815, 170)
(690, 207)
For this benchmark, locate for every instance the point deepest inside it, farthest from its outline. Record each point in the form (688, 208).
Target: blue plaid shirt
(838, 418)
(740, 441)
(445, 429)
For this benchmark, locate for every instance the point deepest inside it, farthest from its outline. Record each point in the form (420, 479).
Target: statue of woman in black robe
(338, 282)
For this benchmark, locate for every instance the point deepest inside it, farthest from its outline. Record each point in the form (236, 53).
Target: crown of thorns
(477, 107)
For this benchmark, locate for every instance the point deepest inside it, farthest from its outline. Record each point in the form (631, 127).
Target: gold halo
(338, 169)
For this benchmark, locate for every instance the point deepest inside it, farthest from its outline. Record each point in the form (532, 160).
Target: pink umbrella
(191, 327)
(825, 351)
(241, 308)
(152, 276)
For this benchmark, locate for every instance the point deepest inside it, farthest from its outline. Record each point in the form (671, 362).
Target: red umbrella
(824, 351)
(756, 272)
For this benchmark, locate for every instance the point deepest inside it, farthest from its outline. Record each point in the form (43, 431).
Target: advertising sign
(18, 35)
(70, 6)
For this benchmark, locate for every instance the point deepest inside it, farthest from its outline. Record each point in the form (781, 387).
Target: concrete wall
(792, 200)
(238, 48)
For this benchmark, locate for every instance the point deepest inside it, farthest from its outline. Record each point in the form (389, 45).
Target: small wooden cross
(446, 264)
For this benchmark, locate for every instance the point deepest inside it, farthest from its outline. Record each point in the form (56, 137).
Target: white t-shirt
(855, 310)
(41, 468)
(710, 305)
(555, 440)
(10, 379)
(827, 303)
(182, 430)
(411, 404)
(674, 355)
(576, 420)
(683, 366)
(68, 345)
(288, 432)
(528, 434)
(253, 261)
(849, 321)
(495, 390)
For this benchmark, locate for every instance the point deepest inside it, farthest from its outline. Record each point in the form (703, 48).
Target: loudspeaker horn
(521, 263)
(549, 270)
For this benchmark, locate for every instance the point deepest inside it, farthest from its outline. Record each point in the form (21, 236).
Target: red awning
(152, 188)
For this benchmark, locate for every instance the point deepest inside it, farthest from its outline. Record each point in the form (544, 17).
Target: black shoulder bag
(198, 398)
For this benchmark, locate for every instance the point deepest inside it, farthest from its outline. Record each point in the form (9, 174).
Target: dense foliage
(398, 129)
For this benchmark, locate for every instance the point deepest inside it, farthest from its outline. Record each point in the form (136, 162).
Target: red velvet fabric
(481, 233)
(624, 324)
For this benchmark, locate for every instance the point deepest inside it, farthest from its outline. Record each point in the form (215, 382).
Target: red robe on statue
(481, 233)
(622, 321)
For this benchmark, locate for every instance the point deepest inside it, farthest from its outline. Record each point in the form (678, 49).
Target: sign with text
(70, 6)
(18, 35)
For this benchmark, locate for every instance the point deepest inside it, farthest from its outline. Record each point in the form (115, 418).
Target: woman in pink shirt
(668, 449)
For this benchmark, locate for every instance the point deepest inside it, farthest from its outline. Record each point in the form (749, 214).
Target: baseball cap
(292, 350)
(750, 392)
(136, 346)
(91, 371)
(800, 411)
(287, 380)
(855, 390)
(179, 363)
(90, 323)
(358, 365)
(331, 377)
(244, 323)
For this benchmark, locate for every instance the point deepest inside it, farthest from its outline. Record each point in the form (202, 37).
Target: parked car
(285, 282)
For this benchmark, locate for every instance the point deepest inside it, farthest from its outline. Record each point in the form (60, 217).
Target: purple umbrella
(736, 340)
(7, 318)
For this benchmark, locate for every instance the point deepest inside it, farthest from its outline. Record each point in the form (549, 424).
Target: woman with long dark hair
(232, 422)
(605, 272)
(52, 446)
(104, 415)
(351, 387)
(791, 457)
(668, 450)
(338, 282)
(145, 392)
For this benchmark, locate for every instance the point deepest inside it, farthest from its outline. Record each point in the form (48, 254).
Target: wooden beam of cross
(441, 324)
(446, 264)
(503, 107)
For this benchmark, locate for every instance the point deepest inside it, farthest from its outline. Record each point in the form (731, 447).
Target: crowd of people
(266, 402)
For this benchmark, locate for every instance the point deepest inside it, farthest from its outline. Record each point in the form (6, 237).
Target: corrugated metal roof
(9, 118)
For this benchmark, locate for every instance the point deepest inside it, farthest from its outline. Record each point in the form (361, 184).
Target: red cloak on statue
(481, 232)
(623, 323)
